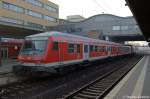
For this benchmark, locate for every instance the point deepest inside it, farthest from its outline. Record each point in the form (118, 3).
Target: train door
(4, 53)
(85, 52)
(109, 50)
(61, 52)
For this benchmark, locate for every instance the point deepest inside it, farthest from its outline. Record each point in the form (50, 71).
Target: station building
(103, 26)
(75, 18)
(27, 16)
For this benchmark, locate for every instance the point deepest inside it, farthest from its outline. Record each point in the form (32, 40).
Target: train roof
(68, 36)
(12, 40)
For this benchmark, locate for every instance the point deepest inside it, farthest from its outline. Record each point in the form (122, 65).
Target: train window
(96, 48)
(91, 48)
(113, 49)
(110, 49)
(101, 48)
(104, 48)
(85, 48)
(34, 47)
(78, 48)
(70, 48)
(55, 46)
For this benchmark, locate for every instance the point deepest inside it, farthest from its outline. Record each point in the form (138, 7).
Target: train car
(48, 52)
(10, 48)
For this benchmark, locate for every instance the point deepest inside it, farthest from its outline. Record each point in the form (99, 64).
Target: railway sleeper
(87, 96)
(90, 93)
(76, 97)
(94, 90)
(97, 88)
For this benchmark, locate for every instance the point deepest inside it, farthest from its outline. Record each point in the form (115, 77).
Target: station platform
(136, 84)
(6, 65)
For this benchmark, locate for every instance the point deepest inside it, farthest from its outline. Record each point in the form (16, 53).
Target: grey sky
(89, 8)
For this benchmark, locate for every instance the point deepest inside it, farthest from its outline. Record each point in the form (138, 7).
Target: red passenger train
(50, 51)
(9, 48)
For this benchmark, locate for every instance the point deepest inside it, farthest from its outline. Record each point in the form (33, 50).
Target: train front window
(34, 47)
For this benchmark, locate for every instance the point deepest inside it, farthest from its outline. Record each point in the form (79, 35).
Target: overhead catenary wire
(106, 9)
(101, 7)
(111, 10)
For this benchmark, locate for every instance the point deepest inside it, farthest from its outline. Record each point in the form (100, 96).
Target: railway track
(8, 78)
(44, 88)
(98, 88)
(6, 74)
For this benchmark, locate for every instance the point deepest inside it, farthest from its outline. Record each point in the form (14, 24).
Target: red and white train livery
(46, 52)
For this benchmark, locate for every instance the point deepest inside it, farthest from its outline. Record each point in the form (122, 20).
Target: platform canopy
(140, 10)
(15, 32)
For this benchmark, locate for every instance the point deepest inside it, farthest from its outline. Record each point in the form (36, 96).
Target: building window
(34, 25)
(70, 48)
(79, 29)
(116, 28)
(35, 14)
(55, 46)
(35, 2)
(124, 27)
(5, 5)
(1, 5)
(10, 20)
(12, 7)
(51, 9)
(50, 18)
